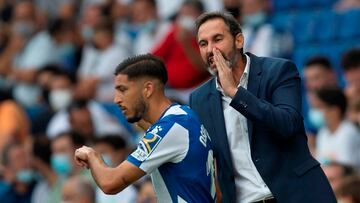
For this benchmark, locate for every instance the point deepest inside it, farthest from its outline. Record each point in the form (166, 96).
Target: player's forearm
(102, 174)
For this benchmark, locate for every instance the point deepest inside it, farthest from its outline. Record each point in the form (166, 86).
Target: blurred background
(57, 60)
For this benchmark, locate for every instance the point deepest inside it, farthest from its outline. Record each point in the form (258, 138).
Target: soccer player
(175, 150)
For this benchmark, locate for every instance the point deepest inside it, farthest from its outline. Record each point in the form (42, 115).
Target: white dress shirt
(250, 187)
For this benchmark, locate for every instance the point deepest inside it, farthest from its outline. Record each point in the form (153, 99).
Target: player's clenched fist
(82, 156)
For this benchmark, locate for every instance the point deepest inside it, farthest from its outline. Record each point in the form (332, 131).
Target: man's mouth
(211, 60)
(123, 109)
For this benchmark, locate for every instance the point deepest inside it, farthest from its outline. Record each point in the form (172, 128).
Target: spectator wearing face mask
(62, 149)
(18, 179)
(144, 29)
(181, 54)
(87, 118)
(338, 139)
(260, 36)
(317, 73)
(54, 45)
(48, 188)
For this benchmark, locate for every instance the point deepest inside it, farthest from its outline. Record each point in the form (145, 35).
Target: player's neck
(157, 107)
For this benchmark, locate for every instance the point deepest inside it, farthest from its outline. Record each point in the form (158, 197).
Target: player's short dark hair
(228, 18)
(318, 60)
(333, 96)
(351, 59)
(143, 65)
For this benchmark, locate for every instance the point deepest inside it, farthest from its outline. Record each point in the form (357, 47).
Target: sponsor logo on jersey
(146, 146)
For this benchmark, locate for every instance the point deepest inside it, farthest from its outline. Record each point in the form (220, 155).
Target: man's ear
(149, 88)
(239, 41)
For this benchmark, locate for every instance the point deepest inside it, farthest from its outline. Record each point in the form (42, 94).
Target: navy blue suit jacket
(272, 105)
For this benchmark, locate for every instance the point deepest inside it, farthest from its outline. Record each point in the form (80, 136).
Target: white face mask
(186, 22)
(60, 99)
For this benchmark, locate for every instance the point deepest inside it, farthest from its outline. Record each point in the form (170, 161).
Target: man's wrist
(232, 92)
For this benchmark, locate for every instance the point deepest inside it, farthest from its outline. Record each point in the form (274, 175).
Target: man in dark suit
(252, 111)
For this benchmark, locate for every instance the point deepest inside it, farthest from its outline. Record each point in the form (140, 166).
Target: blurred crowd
(57, 62)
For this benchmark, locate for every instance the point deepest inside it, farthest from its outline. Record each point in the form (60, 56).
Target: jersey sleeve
(164, 143)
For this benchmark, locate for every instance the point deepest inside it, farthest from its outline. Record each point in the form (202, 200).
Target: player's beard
(139, 110)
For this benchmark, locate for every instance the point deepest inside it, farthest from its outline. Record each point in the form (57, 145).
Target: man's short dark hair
(143, 65)
(351, 59)
(333, 96)
(347, 170)
(41, 148)
(230, 21)
(194, 3)
(319, 60)
(58, 26)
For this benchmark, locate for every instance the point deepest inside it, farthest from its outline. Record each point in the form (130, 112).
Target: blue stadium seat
(326, 3)
(326, 24)
(282, 5)
(305, 4)
(304, 27)
(282, 21)
(349, 24)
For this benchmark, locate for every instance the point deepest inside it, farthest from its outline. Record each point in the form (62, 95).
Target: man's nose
(209, 48)
(117, 99)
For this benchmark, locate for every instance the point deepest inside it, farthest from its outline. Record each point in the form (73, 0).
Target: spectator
(98, 121)
(98, 63)
(62, 149)
(343, 5)
(78, 190)
(114, 150)
(349, 191)
(17, 183)
(260, 36)
(351, 66)
(338, 139)
(52, 46)
(48, 189)
(318, 73)
(180, 52)
(144, 29)
(336, 172)
(14, 123)
(146, 193)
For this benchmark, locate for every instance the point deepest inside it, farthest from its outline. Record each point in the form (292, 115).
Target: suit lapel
(253, 84)
(218, 121)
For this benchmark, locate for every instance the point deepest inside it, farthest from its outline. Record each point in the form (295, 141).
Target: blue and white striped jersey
(176, 151)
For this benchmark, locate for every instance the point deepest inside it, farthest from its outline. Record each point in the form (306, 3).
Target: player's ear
(239, 40)
(149, 88)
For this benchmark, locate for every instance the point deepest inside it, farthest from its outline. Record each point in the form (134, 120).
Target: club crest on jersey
(146, 146)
